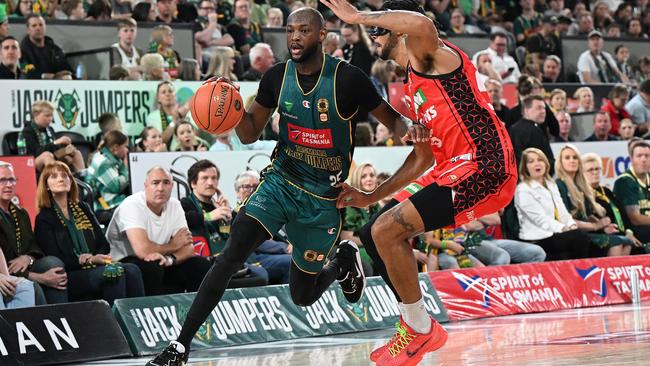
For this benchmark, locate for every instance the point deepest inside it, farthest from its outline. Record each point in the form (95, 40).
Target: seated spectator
(564, 120)
(364, 178)
(331, 45)
(73, 9)
(40, 141)
(100, 10)
(149, 230)
(124, 51)
(556, 9)
(274, 18)
(615, 106)
(222, 63)
(484, 66)
(503, 63)
(208, 33)
(596, 66)
(144, 12)
(153, 67)
(643, 72)
(527, 132)
(495, 91)
(167, 10)
(593, 167)
(452, 250)
(108, 175)
(151, 140)
(552, 70)
(22, 9)
(18, 243)
(40, 54)
(527, 23)
(526, 86)
(66, 228)
(190, 70)
(557, 100)
(363, 135)
(10, 59)
(261, 58)
(167, 113)
(543, 218)
(622, 56)
(639, 107)
(623, 13)
(627, 129)
(543, 43)
(383, 136)
(634, 29)
(273, 254)
(162, 41)
(243, 30)
(119, 72)
(578, 198)
(631, 191)
(601, 15)
(602, 127)
(107, 122)
(583, 26)
(585, 98)
(185, 133)
(15, 292)
(458, 25)
(614, 31)
(356, 49)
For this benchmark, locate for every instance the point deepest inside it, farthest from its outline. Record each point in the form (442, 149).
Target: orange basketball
(217, 107)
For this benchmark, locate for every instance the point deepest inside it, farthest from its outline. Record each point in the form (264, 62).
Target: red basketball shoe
(407, 347)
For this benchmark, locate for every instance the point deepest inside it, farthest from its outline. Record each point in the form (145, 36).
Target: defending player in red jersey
(474, 173)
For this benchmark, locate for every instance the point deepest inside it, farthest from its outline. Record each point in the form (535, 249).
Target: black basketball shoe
(354, 280)
(170, 356)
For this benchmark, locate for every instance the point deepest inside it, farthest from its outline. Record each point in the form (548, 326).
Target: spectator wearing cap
(639, 107)
(545, 42)
(602, 128)
(563, 25)
(596, 66)
(583, 26)
(503, 63)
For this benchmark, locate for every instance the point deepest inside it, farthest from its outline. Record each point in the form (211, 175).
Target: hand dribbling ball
(217, 107)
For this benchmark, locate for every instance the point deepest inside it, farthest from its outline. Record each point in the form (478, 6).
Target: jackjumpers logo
(600, 287)
(67, 107)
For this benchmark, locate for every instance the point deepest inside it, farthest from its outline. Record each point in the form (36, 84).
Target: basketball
(217, 107)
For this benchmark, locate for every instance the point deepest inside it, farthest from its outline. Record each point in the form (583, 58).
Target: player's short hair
(409, 5)
(198, 167)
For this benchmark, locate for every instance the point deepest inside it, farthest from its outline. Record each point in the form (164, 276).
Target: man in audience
(527, 23)
(552, 70)
(596, 66)
(243, 30)
(503, 63)
(495, 91)
(639, 107)
(583, 26)
(9, 59)
(208, 33)
(556, 9)
(149, 230)
(107, 122)
(528, 132)
(74, 9)
(166, 11)
(545, 42)
(124, 51)
(564, 122)
(602, 127)
(631, 190)
(18, 243)
(261, 58)
(40, 54)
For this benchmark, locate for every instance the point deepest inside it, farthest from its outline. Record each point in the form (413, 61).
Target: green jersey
(315, 147)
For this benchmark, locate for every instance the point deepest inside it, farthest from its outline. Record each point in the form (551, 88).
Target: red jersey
(467, 136)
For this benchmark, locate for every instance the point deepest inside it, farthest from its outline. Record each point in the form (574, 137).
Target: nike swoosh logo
(411, 354)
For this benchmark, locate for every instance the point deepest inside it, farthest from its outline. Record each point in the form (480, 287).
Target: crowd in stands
(113, 244)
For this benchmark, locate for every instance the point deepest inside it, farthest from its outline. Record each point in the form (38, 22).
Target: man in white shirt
(596, 66)
(149, 230)
(639, 107)
(503, 63)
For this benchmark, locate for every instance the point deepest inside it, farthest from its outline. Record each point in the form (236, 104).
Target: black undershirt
(351, 83)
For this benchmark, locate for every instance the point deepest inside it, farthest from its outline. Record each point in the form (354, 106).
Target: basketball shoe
(354, 280)
(375, 354)
(407, 348)
(170, 356)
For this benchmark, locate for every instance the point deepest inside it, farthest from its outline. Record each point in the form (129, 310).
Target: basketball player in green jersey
(316, 96)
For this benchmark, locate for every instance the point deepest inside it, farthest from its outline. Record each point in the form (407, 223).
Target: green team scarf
(44, 137)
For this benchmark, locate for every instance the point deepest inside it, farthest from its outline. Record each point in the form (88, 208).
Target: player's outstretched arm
(253, 122)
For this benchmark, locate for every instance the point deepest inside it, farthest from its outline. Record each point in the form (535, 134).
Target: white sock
(179, 346)
(415, 316)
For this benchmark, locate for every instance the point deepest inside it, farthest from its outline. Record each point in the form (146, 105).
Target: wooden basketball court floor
(612, 335)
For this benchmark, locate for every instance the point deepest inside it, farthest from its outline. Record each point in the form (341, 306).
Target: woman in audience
(615, 106)
(151, 140)
(67, 228)
(601, 15)
(627, 129)
(593, 165)
(100, 10)
(153, 67)
(364, 178)
(557, 100)
(190, 70)
(108, 174)
(162, 41)
(585, 98)
(185, 133)
(578, 197)
(634, 29)
(543, 218)
(222, 63)
(144, 12)
(168, 113)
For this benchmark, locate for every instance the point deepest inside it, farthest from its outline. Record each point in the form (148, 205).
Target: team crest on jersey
(323, 107)
(419, 99)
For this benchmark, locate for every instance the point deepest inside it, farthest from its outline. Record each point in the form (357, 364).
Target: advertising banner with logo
(231, 163)
(64, 333)
(537, 287)
(25, 172)
(263, 314)
(79, 103)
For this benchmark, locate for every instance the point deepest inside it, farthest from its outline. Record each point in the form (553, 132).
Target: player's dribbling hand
(416, 133)
(224, 79)
(351, 196)
(343, 10)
